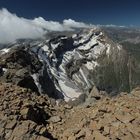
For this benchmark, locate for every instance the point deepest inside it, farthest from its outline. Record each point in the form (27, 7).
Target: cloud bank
(13, 27)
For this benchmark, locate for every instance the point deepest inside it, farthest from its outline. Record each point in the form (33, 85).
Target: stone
(89, 135)
(43, 130)
(71, 138)
(89, 102)
(106, 130)
(128, 137)
(84, 122)
(11, 125)
(95, 93)
(93, 125)
(42, 101)
(71, 132)
(94, 113)
(68, 106)
(21, 129)
(81, 134)
(24, 112)
(113, 130)
(35, 114)
(1, 132)
(42, 138)
(98, 136)
(55, 119)
(134, 129)
(116, 124)
(102, 122)
(125, 118)
(8, 134)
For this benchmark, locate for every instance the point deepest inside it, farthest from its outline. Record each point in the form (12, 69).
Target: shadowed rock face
(20, 65)
(68, 66)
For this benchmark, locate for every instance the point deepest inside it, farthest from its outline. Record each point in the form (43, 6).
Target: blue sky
(118, 12)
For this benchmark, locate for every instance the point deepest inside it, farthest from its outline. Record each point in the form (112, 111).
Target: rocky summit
(75, 85)
(24, 115)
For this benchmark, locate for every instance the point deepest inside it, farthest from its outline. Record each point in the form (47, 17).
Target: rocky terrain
(24, 115)
(109, 119)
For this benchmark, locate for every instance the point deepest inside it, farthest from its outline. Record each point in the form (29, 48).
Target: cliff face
(128, 63)
(68, 66)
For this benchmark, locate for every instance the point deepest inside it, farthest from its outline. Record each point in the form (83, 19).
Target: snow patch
(36, 80)
(5, 50)
(69, 91)
(119, 47)
(45, 48)
(91, 65)
(4, 70)
(108, 49)
(54, 46)
(74, 36)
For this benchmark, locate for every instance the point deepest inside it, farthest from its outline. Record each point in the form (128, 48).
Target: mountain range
(66, 65)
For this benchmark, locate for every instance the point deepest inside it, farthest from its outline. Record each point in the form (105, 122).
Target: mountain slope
(66, 66)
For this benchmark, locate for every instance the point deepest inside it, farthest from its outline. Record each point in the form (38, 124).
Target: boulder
(55, 119)
(35, 114)
(95, 93)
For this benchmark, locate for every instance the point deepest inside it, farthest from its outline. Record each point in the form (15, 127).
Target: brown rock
(93, 125)
(106, 130)
(42, 138)
(55, 119)
(71, 132)
(89, 135)
(35, 114)
(8, 134)
(20, 130)
(125, 118)
(94, 113)
(113, 130)
(95, 93)
(11, 124)
(128, 137)
(102, 122)
(134, 129)
(2, 132)
(68, 106)
(42, 101)
(98, 136)
(82, 134)
(43, 130)
(24, 112)
(71, 138)
(116, 124)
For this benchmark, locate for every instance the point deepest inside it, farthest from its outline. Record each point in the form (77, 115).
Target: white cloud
(49, 25)
(73, 24)
(13, 27)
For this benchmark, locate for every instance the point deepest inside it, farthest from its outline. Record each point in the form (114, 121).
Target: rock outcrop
(19, 67)
(23, 114)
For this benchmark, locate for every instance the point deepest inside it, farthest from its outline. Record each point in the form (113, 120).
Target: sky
(33, 19)
(117, 12)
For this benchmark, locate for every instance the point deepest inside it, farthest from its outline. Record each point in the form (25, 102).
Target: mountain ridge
(70, 65)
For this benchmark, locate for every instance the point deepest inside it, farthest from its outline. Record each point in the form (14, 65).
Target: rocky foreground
(24, 115)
